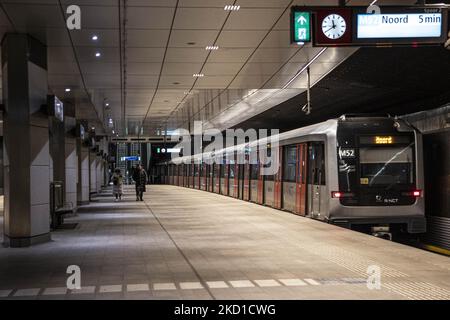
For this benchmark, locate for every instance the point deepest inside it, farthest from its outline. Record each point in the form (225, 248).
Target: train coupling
(382, 232)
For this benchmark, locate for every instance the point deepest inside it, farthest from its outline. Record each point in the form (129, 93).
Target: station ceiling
(150, 50)
(395, 81)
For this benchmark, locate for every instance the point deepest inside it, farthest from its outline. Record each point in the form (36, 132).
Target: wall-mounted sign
(55, 107)
(353, 26)
(82, 132)
(130, 158)
(59, 110)
(413, 25)
(301, 30)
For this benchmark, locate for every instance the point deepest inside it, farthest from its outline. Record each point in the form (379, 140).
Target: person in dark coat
(140, 180)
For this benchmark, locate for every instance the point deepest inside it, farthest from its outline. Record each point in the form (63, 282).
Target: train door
(289, 177)
(211, 177)
(203, 177)
(254, 178)
(246, 180)
(226, 178)
(241, 181)
(186, 174)
(269, 181)
(278, 180)
(316, 178)
(260, 196)
(194, 175)
(182, 176)
(300, 207)
(198, 176)
(222, 177)
(236, 179)
(231, 178)
(217, 178)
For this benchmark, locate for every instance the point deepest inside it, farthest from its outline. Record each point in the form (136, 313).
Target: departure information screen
(411, 25)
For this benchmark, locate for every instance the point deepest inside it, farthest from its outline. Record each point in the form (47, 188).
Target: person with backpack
(117, 180)
(140, 179)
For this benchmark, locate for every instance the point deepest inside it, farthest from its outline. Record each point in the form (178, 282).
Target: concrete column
(71, 155)
(99, 173)
(26, 141)
(92, 172)
(83, 172)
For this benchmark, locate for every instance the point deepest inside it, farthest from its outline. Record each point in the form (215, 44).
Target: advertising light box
(410, 25)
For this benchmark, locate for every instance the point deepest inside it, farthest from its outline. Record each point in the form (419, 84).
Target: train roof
(315, 129)
(322, 128)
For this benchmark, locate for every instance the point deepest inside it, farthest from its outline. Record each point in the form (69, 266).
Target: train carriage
(355, 171)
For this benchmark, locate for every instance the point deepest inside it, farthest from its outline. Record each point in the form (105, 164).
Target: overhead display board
(394, 25)
(353, 26)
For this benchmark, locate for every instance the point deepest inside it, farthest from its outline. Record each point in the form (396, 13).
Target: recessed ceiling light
(212, 48)
(198, 75)
(231, 8)
(107, 104)
(95, 37)
(68, 90)
(98, 54)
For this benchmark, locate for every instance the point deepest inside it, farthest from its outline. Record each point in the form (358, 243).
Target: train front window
(386, 166)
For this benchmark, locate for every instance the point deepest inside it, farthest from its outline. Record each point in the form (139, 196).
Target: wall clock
(333, 26)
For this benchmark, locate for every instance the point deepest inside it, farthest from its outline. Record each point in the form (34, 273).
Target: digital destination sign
(388, 26)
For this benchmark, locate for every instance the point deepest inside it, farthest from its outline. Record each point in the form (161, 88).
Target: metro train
(359, 172)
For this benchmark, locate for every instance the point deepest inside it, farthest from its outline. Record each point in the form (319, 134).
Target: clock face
(334, 26)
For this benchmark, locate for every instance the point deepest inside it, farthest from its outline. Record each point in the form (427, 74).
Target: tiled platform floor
(189, 244)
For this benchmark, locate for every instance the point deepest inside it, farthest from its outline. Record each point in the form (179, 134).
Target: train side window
(231, 170)
(253, 172)
(289, 164)
(316, 161)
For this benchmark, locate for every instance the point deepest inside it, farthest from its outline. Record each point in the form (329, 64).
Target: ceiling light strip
(79, 67)
(162, 64)
(231, 7)
(201, 69)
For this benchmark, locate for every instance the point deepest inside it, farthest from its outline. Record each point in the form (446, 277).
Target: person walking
(117, 179)
(140, 179)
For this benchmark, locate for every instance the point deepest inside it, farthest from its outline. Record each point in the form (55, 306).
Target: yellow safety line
(437, 249)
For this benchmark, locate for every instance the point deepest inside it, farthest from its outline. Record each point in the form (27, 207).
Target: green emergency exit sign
(301, 25)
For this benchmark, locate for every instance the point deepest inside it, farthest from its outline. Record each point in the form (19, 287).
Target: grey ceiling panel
(134, 57)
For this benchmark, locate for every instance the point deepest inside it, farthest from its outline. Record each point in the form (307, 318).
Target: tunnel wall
(435, 126)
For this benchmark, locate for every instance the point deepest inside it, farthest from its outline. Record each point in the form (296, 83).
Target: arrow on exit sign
(302, 26)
